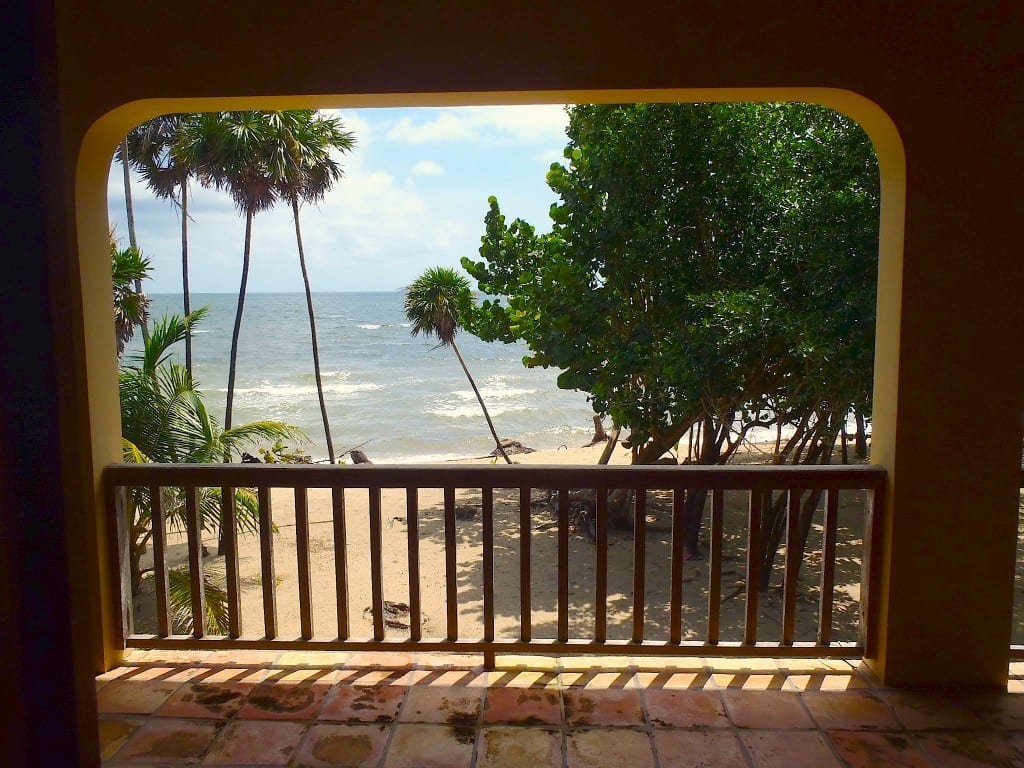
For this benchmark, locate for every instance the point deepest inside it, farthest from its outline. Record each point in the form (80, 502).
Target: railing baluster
(675, 611)
(340, 560)
(601, 572)
(639, 562)
(195, 560)
(753, 582)
(159, 523)
(715, 567)
(792, 566)
(525, 534)
(302, 563)
(563, 564)
(231, 561)
(871, 568)
(412, 529)
(828, 567)
(487, 497)
(450, 565)
(376, 564)
(267, 563)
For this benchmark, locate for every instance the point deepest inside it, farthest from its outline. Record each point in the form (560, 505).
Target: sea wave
(292, 390)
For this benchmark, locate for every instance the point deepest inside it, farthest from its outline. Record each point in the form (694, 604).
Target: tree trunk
(233, 359)
(133, 240)
(862, 438)
(600, 435)
(184, 275)
(312, 332)
(480, 400)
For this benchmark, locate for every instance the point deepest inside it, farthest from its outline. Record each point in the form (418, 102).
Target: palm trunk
(133, 240)
(480, 400)
(232, 361)
(184, 275)
(312, 332)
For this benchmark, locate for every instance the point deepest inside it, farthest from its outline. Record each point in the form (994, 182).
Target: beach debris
(359, 457)
(465, 513)
(512, 447)
(396, 615)
(248, 458)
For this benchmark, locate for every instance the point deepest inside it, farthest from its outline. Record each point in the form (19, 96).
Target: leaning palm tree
(122, 155)
(167, 151)
(238, 161)
(434, 301)
(128, 268)
(302, 160)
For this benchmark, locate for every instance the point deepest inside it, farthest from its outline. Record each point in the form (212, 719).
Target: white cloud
(501, 125)
(427, 168)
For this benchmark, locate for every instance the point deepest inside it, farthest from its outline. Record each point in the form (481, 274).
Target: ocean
(402, 399)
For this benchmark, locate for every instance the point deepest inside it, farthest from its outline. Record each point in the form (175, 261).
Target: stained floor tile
(850, 710)
(358, 704)
(609, 748)
(789, 749)
(114, 733)
(920, 710)
(137, 697)
(699, 749)
(216, 700)
(766, 709)
(525, 706)
(274, 700)
(603, 708)
(971, 750)
(685, 709)
(341, 746)
(422, 745)
(512, 747)
(870, 750)
(443, 704)
(255, 742)
(169, 741)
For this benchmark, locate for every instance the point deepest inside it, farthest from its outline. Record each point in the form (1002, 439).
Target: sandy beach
(506, 567)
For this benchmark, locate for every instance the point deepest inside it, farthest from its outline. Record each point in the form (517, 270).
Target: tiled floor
(395, 711)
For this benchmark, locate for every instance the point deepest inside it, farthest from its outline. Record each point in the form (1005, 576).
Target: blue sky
(414, 195)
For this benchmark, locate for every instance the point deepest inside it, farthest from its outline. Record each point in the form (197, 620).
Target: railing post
(117, 500)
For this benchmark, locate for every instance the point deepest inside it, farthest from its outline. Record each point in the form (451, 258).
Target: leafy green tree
(303, 148)
(710, 268)
(164, 419)
(435, 303)
(131, 306)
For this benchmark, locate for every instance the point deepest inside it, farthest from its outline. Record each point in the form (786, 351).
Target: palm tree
(122, 156)
(167, 151)
(238, 161)
(164, 419)
(434, 301)
(128, 269)
(305, 170)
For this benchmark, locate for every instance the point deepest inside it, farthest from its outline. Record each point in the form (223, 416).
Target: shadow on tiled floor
(397, 711)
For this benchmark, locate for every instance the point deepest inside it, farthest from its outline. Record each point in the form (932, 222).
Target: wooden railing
(504, 509)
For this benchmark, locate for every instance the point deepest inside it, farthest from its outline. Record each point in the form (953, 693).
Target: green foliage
(707, 262)
(279, 453)
(131, 306)
(215, 602)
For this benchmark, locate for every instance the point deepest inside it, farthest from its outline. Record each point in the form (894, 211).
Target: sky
(413, 196)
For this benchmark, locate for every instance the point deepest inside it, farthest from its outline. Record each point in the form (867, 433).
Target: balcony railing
(604, 591)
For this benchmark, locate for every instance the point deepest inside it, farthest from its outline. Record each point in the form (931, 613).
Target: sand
(543, 538)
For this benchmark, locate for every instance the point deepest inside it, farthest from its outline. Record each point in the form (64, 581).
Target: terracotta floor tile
(822, 682)
(255, 742)
(788, 749)
(311, 659)
(971, 750)
(134, 697)
(603, 708)
(1002, 711)
(923, 710)
(243, 658)
(871, 750)
(850, 710)
(114, 733)
(519, 748)
(685, 709)
(456, 706)
(341, 746)
(698, 749)
(679, 681)
(419, 745)
(387, 660)
(766, 709)
(612, 748)
(525, 706)
(283, 701)
(216, 700)
(359, 704)
(169, 741)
